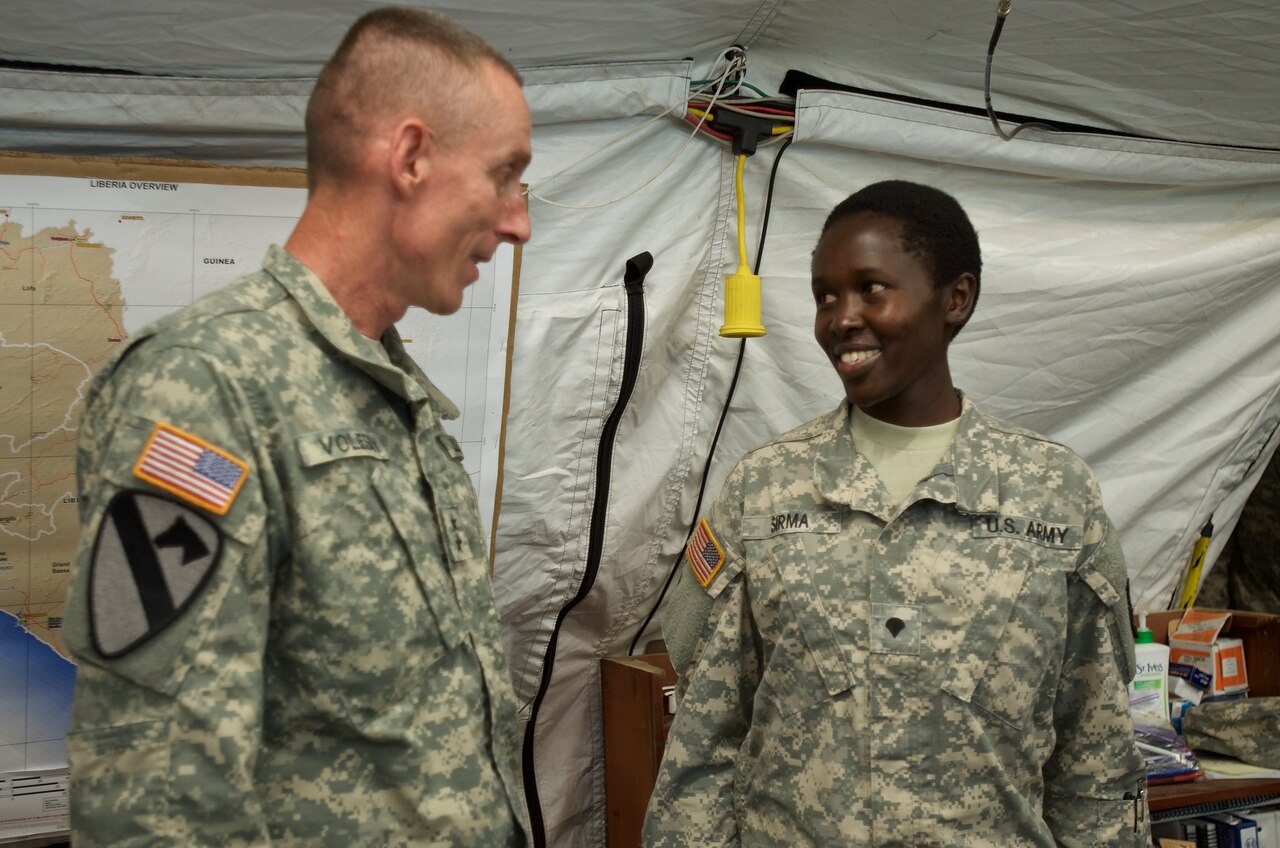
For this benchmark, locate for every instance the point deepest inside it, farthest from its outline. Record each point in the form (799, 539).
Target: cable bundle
(718, 108)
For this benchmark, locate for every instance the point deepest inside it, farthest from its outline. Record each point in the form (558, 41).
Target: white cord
(608, 144)
(735, 68)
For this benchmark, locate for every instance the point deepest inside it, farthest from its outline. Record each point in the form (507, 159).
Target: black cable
(724, 411)
(1002, 10)
(697, 509)
(768, 204)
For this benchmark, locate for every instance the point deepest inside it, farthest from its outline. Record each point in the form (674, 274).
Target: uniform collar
(967, 475)
(402, 376)
(842, 473)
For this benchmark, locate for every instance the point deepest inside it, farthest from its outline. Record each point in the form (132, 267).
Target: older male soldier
(281, 609)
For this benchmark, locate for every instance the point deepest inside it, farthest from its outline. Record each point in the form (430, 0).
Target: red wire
(791, 113)
(769, 110)
(706, 129)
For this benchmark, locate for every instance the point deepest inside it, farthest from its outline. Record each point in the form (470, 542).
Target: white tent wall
(1101, 63)
(1197, 70)
(1129, 294)
(240, 122)
(248, 40)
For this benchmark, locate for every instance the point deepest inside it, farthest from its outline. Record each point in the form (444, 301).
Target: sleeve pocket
(119, 783)
(1096, 822)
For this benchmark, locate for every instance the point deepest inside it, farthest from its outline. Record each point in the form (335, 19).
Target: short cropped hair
(392, 59)
(934, 227)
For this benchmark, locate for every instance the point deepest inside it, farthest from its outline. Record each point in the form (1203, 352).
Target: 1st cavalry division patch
(191, 469)
(151, 558)
(704, 554)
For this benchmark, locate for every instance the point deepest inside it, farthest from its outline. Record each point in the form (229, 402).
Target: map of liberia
(62, 315)
(83, 263)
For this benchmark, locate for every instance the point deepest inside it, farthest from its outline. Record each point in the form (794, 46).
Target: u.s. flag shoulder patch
(191, 469)
(704, 553)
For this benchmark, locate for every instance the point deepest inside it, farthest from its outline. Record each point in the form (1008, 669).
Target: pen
(1192, 584)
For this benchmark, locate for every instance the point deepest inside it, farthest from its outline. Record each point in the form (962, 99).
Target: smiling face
(883, 323)
(470, 201)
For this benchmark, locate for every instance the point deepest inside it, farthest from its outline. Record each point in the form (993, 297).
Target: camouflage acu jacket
(317, 665)
(946, 672)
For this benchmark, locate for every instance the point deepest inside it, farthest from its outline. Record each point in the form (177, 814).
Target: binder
(1235, 831)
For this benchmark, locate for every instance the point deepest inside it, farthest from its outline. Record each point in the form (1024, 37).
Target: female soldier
(904, 622)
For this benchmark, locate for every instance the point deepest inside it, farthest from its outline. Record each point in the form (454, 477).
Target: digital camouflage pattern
(1247, 729)
(339, 680)
(948, 673)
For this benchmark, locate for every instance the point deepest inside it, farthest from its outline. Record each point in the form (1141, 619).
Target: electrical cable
(720, 90)
(610, 143)
(705, 130)
(735, 66)
(743, 133)
(750, 109)
(724, 411)
(1002, 11)
(742, 208)
(753, 88)
(531, 193)
(742, 121)
(740, 84)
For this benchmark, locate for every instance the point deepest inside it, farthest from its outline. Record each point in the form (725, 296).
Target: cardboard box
(1197, 641)
(1187, 683)
(1259, 633)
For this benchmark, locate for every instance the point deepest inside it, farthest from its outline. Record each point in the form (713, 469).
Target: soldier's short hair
(934, 227)
(392, 60)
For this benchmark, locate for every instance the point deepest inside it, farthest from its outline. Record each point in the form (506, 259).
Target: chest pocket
(454, 500)
(427, 547)
(367, 570)
(806, 664)
(1013, 642)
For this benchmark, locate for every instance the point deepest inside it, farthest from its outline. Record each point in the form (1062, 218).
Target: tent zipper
(633, 281)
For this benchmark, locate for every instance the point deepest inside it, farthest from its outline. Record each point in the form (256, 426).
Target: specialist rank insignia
(704, 553)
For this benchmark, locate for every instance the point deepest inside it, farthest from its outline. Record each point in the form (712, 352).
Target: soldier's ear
(961, 293)
(408, 158)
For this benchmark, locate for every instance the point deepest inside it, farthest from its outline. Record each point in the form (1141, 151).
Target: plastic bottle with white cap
(1149, 690)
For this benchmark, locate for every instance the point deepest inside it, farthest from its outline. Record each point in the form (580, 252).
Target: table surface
(1172, 796)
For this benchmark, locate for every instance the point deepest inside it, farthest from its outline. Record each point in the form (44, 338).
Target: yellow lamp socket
(742, 305)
